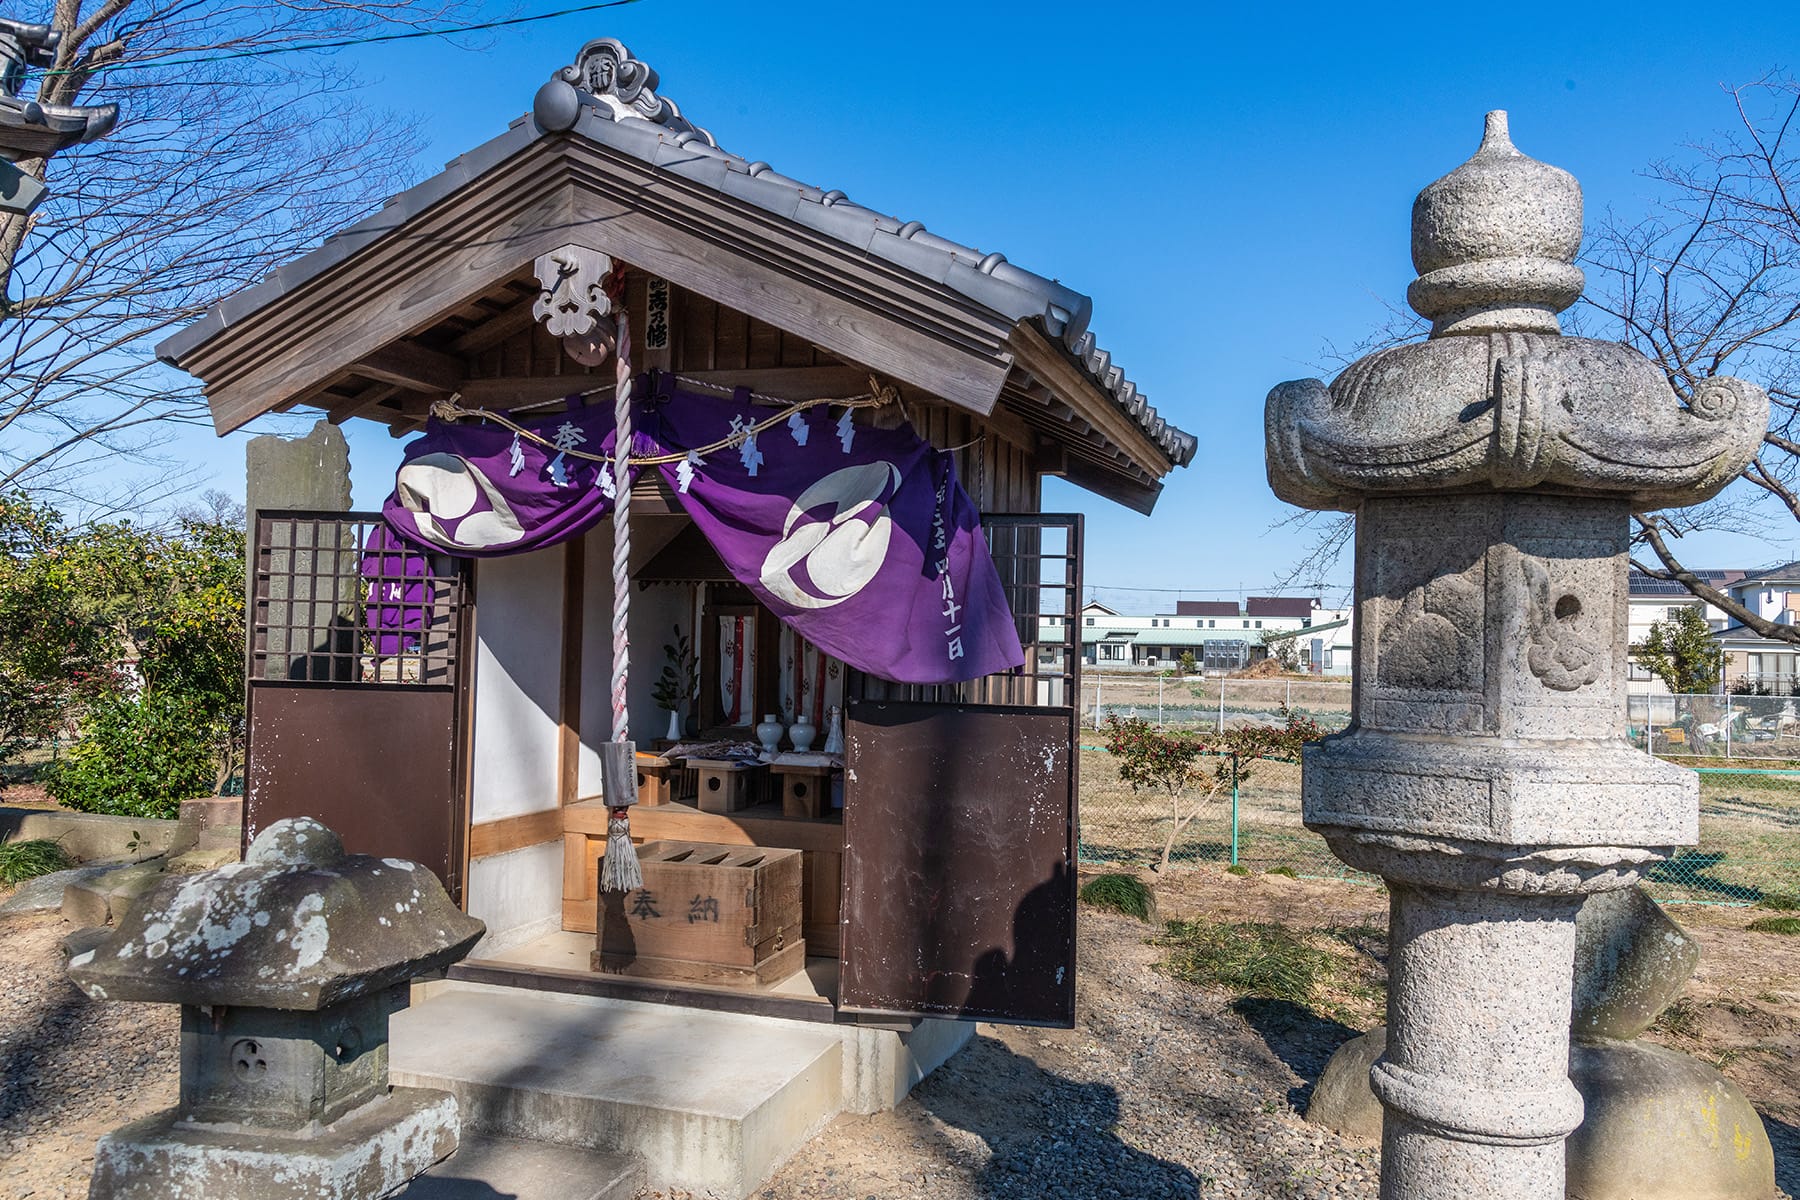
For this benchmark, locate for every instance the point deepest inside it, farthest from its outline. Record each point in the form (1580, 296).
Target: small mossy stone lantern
(287, 967)
(1493, 470)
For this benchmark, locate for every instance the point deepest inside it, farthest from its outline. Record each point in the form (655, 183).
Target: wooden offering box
(661, 781)
(707, 913)
(805, 789)
(726, 785)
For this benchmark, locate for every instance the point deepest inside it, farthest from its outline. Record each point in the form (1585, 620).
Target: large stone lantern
(1493, 470)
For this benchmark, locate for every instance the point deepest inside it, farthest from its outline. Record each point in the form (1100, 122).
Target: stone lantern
(287, 967)
(1493, 470)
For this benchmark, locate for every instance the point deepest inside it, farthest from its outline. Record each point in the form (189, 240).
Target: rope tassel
(619, 870)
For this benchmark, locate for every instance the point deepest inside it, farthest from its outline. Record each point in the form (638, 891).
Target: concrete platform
(487, 1168)
(710, 1102)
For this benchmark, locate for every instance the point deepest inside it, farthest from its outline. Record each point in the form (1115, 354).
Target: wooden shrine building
(476, 751)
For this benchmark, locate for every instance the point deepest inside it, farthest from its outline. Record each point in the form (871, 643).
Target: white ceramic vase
(802, 732)
(769, 734)
(834, 734)
(674, 734)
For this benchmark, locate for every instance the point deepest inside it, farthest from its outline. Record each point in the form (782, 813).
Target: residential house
(1222, 635)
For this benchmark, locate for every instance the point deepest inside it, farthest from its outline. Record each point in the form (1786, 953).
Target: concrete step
(710, 1102)
(484, 1168)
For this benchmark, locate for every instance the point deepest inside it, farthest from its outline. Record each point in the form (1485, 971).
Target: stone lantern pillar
(286, 966)
(1493, 470)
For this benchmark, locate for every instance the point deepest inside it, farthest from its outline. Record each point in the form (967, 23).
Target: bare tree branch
(217, 172)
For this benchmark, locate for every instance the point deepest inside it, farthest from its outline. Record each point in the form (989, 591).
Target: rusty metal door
(359, 731)
(959, 867)
(960, 813)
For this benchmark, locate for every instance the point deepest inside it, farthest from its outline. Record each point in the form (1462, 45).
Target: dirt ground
(1163, 1090)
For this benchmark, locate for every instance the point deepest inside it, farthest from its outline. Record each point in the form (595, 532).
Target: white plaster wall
(518, 894)
(518, 669)
(654, 612)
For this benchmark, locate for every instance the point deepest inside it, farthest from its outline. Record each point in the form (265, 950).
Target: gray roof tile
(670, 142)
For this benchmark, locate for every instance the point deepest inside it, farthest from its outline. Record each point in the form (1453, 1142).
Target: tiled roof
(1206, 608)
(1787, 573)
(1280, 606)
(633, 120)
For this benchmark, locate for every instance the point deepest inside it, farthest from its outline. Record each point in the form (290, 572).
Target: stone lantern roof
(1497, 398)
(298, 925)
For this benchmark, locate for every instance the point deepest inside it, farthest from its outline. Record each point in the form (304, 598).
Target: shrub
(28, 859)
(1122, 893)
(138, 757)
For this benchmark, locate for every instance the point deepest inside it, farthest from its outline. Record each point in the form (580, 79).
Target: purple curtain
(397, 593)
(859, 539)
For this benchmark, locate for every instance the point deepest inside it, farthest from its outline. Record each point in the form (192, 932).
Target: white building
(1222, 635)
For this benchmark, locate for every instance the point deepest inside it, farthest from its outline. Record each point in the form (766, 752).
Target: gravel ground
(1173, 1094)
(70, 1068)
(1163, 1089)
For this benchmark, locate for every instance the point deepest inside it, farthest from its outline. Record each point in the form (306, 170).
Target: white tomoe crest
(439, 488)
(840, 553)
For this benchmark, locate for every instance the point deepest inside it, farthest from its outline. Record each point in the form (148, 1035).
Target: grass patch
(1237, 869)
(1787, 925)
(1780, 901)
(1288, 871)
(1121, 893)
(1681, 1019)
(28, 859)
(1271, 962)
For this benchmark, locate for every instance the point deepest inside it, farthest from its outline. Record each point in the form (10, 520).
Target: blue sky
(1232, 186)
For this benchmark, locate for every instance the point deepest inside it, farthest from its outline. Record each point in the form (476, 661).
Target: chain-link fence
(1211, 702)
(1248, 813)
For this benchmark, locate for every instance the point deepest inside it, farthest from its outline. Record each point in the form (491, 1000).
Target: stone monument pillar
(1493, 470)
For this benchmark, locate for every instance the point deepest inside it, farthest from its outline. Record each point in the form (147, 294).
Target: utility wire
(266, 51)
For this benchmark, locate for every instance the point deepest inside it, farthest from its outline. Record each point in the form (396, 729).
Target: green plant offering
(1787, 925)
(680, 677)
(28, 859)
(1121, 893)
(1270, 962)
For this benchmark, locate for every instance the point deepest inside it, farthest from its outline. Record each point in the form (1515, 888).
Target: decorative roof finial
(606, 78)
(1495, 241)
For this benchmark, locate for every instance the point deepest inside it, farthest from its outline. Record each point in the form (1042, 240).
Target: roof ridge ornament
(606, 78)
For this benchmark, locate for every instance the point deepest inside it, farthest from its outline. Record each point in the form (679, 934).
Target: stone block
(1662, 1126)
(1342, 1100)
(202, 858)
(107, 897)
(1631, 961)
(91, 837)
(1658, 1125)
(369, 1153)
(45, 893)
(285, 1069)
